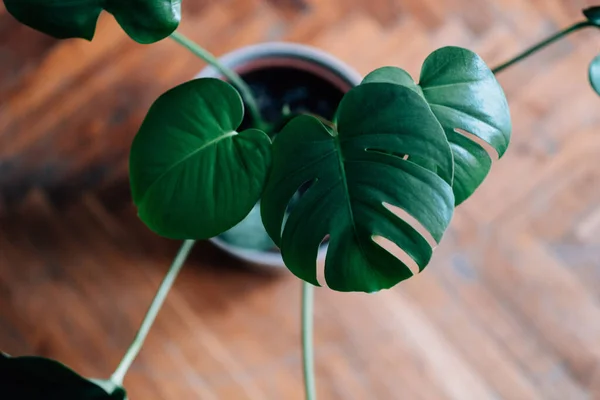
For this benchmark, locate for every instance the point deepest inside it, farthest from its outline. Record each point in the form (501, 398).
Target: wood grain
(508, 309)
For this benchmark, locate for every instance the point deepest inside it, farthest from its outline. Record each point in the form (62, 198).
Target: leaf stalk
(228, 73)
(164, 288)
(307, 340)
(541, 45)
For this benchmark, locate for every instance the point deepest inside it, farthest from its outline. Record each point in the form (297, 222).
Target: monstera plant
(392, 166)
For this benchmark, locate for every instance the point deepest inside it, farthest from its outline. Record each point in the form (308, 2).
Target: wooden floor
(508, 309)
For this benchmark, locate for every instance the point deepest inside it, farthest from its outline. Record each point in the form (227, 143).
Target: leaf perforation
(307, 166)
(489, 149)
(467, 114)
(387, 213)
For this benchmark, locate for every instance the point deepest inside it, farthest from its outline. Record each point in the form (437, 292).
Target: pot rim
(237, 59)
(297, 55)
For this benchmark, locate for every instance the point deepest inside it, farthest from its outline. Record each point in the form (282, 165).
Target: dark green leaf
(37, 378)
(354, 169)
(594, 74)
(61, 19)
(467, 100)
(145, 21)
(193, 176)
(593, 14)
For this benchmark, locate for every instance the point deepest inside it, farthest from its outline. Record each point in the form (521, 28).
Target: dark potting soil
(299, 91)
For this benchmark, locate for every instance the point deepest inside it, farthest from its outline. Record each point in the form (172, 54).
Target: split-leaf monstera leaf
(37, 378)
(387, 171)
(192, 174)
(355, 168)
(145, 21)
(470, 105)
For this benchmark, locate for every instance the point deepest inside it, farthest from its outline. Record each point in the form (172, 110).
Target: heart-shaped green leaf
(593, 15)
(37, 378)
(145, 21)
(594, 74)
(469, 104)
(355, 169)
(193, 176)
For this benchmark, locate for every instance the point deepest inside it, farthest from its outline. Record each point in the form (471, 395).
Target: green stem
(542, 44)
(231, 75)
(157, 302)
(307, 340)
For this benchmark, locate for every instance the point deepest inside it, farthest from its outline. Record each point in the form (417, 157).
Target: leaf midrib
(340, 158)
(182, 160)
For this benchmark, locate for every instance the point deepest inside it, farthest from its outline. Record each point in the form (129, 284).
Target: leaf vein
(188, 156)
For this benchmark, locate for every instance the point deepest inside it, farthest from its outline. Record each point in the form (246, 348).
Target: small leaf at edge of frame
(38, 378)
(145, 21)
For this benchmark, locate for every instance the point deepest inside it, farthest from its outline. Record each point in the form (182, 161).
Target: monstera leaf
(37, 378)
(145, 21)
(594, 74)
(470, 105)
(387, 149)
(192, 175)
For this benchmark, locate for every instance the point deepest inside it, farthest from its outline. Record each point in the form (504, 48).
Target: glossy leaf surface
(37, 378)
(354, 169)
(470, 105)
(192, 175)
(594, 74)
(145, 21)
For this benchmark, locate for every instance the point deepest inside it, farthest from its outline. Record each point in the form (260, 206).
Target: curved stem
(542, 44)
(307, 340)
(157, 302)
(231, 75)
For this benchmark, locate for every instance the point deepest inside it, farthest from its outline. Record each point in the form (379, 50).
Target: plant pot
(284, 76)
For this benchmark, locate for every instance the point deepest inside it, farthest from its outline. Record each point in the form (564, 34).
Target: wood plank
(459, 268)
(442, 305)
(551, 299)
